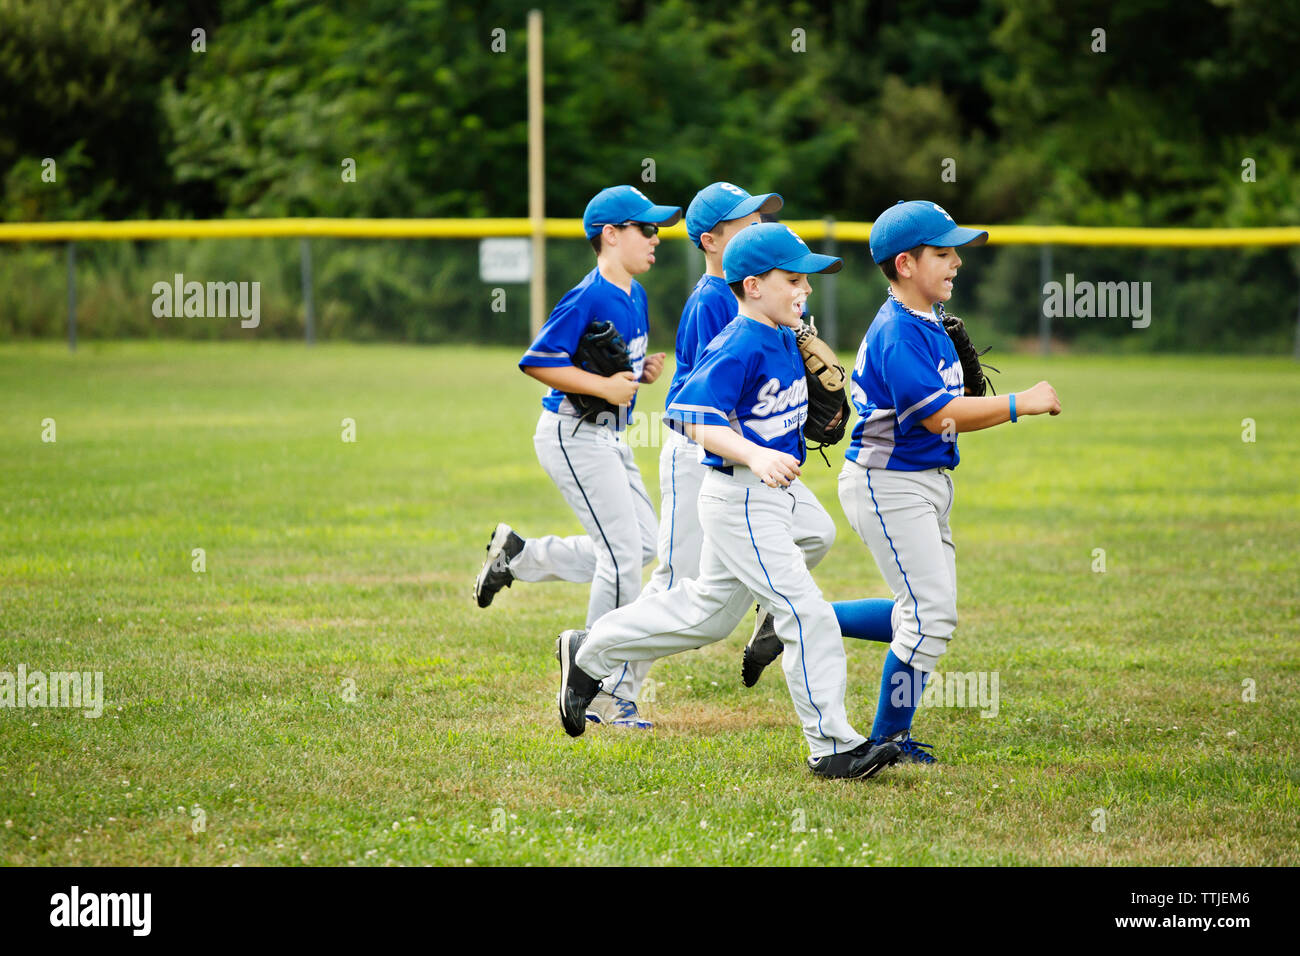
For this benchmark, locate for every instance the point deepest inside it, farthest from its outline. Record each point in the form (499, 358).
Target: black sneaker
(862, 761)
(763, 648)
(577, 690)
(504, 546)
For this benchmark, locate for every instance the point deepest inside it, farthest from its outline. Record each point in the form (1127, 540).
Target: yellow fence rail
(810, 229)
(827, 231)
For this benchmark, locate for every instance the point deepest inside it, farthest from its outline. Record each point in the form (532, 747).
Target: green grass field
(332, 565)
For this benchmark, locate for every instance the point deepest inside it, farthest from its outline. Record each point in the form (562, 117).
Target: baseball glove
(601, 351)
(971, 366)
(826, 391)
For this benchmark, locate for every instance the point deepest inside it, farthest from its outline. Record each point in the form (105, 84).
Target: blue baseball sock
(867, 620)
(900, 691)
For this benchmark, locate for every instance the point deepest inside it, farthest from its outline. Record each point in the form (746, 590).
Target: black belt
(724, 469)
(579, 421)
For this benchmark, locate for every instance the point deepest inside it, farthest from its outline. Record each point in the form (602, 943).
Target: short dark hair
(738, 287)
(887, 267)
(595, 240)
(716, 231)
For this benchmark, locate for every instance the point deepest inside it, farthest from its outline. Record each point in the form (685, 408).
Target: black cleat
(861, 762)
(577, 690)
(909, 750)
(504, 546)
(763, 648)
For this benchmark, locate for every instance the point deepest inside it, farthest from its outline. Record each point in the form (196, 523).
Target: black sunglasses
(648, 229)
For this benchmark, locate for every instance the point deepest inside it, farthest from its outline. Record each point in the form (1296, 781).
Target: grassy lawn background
(332, 562)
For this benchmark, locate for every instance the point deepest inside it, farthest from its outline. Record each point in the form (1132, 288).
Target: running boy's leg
(750, 528)
(902, 518)
(625, 683)
(695, 613)
(680, 539)
(589, 469)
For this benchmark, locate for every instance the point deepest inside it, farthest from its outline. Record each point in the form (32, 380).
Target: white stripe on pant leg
(750, 526)
(895, 514)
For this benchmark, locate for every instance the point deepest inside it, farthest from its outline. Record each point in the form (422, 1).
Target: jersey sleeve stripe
(699, 409)
(547, 354)
(922, 403)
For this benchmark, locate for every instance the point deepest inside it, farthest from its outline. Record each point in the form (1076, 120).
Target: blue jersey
(706, 313)
(906, 370)
(593, 299)
(750, 379)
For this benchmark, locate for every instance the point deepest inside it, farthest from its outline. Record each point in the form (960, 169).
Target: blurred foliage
(844, 108)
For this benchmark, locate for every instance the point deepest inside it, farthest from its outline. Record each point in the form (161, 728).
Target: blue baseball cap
(772, 245)
(619, 204)
(719, 202)
(907, 225)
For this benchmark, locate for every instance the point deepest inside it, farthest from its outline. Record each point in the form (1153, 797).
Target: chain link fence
(1230, 299)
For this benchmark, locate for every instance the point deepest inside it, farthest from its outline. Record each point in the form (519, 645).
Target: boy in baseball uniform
(896, 486)
(588, 460)
(716, 214)
(745, 404)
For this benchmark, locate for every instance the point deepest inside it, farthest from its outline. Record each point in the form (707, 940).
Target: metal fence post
(72, 297)
(306, 291)
(1044, 320)
(536, 176)
(830, 327)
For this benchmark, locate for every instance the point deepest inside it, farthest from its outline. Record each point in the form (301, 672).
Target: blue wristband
(1013, 406)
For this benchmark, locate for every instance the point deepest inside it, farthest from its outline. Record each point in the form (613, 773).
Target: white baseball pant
(750, 555)
(681, 539)
(598, 476)
(902, 516)
(680, 536)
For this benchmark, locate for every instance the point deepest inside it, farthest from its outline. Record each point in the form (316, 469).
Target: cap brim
(660, 215)
(767, 202)
(959, 236)
(813, 263)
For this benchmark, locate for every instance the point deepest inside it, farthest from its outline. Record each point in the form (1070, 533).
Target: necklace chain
(919, 315)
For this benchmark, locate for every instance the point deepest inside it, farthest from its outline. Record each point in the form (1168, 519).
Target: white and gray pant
(598, 476)
(681, 539)
(902, 516)
(680, 536)
(758, 545)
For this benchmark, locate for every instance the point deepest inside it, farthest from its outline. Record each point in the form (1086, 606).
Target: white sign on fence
(505, 260)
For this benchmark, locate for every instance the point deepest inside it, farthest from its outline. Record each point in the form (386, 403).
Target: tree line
(1054, 111)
